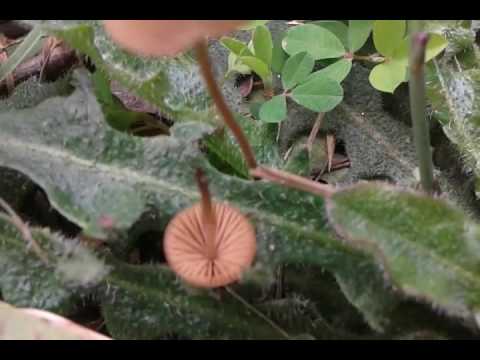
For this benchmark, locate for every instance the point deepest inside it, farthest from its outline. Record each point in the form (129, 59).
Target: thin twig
(16, 221)
(206, 70)
(292, 181)
(257, 312)
(61, 59)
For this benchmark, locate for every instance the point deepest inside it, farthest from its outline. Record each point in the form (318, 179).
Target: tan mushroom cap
(186, 250)
(165, 37)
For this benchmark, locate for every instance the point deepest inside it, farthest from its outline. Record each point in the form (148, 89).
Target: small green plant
(337, 43)
(256, 56)
(334, 39)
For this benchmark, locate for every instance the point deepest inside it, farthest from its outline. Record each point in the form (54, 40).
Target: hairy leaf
(174, 85)
(27, 282)
(122, 175)
(427, 248)
(147, 302)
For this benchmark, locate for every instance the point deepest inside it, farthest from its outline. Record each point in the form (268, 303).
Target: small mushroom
(210, 244)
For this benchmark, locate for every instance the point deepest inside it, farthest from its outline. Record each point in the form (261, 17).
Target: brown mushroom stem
(206, 70)
(208, 215)
(293, 181)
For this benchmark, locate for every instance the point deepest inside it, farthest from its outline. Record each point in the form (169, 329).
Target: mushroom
(210, 244)
(165, 37)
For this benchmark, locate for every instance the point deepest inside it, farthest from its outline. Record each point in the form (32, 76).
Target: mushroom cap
(186, 250)
(165, 37)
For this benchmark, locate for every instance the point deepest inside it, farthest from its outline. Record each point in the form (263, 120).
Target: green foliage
(122, 175)
(274, 110)
(296, 69)
(377, 243)
(358, 33)
(257, 56)
(390, 41)
(339, 29)
(317, 41)
(172, 85)
(320, 94)
(427, 248)
(26, 281)
(337, 71)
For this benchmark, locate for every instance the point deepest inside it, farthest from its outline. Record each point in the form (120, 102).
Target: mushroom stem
(208, 215)
(293, 181)
(206, 70)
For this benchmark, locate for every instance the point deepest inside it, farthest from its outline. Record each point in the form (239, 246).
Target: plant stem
(258, 313)
(206, 69)
(208, 214)
(374, 58)
(268, 88)
(16, 221)
(418, 109)
(293, 181)
(314, 132)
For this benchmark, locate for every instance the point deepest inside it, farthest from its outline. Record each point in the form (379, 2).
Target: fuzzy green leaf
(274, 110)
(263, 44)
(387, 35)
(454, 96)
(122, 176)
(27, 282)
(339, 29)
(317, 41)
(337, 71)
(173, 85)
(358, 33)
(296, 69)
(428, 249)
(387, 77)
(224, 152)
(146, 302)
(321, 94)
